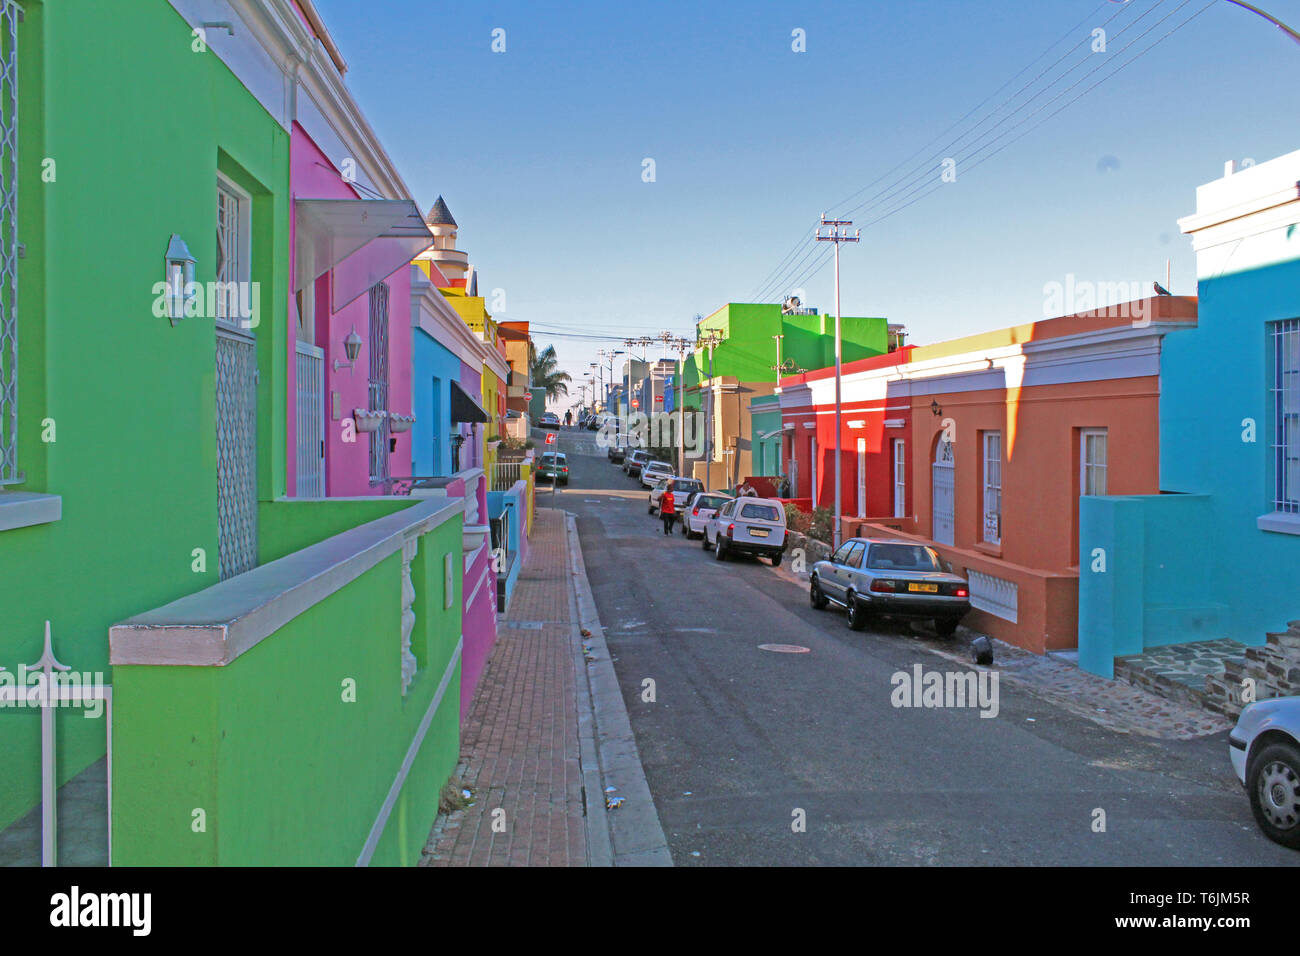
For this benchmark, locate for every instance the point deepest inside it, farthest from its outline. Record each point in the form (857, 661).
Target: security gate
(310, 415)
(236, 452)
(9, 14)
(379, 381)
(943, 484)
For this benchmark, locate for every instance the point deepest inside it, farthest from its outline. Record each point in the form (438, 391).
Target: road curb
(631, 834)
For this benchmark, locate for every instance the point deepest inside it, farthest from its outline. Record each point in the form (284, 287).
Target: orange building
(1007, 430)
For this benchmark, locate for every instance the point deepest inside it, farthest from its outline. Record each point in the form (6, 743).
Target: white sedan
(1265, 751)
(699, 510)
(654, 472)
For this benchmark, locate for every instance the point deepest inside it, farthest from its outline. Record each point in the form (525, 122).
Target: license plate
(758, 532)
(926, 588)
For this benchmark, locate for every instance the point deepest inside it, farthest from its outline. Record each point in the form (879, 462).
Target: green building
(284, 673)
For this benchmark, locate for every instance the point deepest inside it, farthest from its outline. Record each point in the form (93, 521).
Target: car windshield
(552, 458)
(711, 501)
(684, 486)
(761, 512)
(903, 557)
(660, 466)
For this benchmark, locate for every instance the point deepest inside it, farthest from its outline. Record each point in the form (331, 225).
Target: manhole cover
(784, 648)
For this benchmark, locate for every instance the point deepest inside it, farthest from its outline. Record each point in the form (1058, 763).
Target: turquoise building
(1217, 553)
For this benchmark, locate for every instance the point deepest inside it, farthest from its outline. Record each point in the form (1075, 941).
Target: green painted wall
(749, 350)
(766, 452)
(137, 124)
(286, 771)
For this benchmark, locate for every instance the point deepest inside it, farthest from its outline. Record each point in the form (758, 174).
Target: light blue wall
(435, 368)
(1194, 565)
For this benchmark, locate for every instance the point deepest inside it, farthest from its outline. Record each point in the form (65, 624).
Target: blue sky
(539, 150)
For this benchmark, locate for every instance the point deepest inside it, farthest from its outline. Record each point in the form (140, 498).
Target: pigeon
(1161, 290)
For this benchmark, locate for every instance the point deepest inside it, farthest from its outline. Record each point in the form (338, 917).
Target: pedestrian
(568, 418)
(668, 508)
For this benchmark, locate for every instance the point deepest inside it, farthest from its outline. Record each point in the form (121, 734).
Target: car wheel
(945, 626)
(1273, 780)
(686, 532)
(704, 540)
(815, 596)
(856, 617)
(776, 559)
(721, 549)
(650, 510)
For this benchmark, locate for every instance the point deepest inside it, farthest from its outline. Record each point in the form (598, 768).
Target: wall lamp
(936, 408)
(180, 278)
(352, 348)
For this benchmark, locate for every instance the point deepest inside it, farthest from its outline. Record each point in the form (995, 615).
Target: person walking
(668, 508)
(568, 418)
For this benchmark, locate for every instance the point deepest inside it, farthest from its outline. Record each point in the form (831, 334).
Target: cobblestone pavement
(1113, 704)
(519, 745)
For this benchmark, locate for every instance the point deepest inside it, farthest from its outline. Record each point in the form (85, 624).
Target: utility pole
(709, 340)
(837, 232)
(682, 346)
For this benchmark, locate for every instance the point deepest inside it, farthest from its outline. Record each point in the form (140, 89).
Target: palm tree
(541, 365)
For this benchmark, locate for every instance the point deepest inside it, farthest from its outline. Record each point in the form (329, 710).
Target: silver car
(893, 577)
(654, 472)
(1265, 751)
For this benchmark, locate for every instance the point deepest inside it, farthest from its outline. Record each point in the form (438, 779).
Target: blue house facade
(1217, 553)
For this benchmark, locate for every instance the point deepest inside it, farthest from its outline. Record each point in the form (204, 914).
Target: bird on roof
(1161, 290)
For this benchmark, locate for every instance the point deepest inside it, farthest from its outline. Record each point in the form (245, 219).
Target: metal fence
(236, 453)
(9, 13)
(310, 419)
(505, 474)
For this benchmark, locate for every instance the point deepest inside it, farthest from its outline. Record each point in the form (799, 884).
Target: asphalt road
(741, 743)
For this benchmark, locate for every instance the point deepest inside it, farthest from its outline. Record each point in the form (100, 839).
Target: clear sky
(539, 150)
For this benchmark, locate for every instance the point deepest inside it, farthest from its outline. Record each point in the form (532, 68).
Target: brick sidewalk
(519, 745)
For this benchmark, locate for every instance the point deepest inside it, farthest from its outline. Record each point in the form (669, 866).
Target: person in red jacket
(668, 508)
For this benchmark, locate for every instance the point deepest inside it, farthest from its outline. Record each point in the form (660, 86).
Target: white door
(813, 457)
(943, 483)
(900, 479)
(310, 419)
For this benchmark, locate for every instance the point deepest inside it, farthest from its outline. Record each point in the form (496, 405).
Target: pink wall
(347, 464)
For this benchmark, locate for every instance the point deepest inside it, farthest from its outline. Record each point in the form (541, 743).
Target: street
(757, 757)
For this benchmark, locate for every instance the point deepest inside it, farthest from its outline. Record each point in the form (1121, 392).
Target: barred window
(1285, 389)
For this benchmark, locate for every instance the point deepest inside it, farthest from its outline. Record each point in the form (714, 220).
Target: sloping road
(739, 740)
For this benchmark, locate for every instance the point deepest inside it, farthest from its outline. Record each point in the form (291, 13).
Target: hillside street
(739, 739)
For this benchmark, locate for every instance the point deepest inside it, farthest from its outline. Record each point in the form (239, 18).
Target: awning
(463, 406)
(362, 240)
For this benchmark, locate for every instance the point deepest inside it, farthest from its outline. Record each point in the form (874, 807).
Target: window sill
(1279, 522)
(22, 509)
(992, 550)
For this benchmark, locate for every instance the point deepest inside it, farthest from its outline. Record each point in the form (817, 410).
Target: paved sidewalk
(520, 743)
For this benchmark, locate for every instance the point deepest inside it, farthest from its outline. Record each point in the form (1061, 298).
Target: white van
(747, 526)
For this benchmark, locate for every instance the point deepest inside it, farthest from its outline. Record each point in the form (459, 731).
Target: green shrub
(822, 519)
(796, 519)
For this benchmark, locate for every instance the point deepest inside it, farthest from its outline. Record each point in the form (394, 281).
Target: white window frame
(1284, 388)
(1088, 466)
(812, 448)
(243, 246)
(862, 477)
(991, 443)
(900, 478)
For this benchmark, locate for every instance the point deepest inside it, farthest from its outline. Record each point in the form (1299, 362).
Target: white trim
(1281, 523)
(22, 509)
(381, 821)
(1084, 435)
(212, 627)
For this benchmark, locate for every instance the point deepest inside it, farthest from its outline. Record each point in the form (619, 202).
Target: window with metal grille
(1092, 461)
(900, 479)
(379, 380)
(232, 265)
(9, 15)
(993, 487)
(1285, 388)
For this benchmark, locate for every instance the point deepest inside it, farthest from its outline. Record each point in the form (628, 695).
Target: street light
(1270, 18)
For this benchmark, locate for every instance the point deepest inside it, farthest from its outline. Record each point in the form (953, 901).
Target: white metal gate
(236, 452)
(310, 369)
(943, 484)
(9, 14)
(379, 381)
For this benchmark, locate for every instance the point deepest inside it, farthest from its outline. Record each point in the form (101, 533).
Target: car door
(832, 580)
(719, 521)
(850, 557)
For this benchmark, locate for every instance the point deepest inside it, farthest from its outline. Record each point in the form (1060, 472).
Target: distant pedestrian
(668, 508)
(568, 418)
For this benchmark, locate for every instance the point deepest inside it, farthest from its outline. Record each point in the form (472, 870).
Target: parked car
(653, 471)
(698, 509)
(617, 450)
(887, 576)
(554, 466)
(747, 526)
(548, 420)
(1265, 751)
(634, 460)
(683, 488)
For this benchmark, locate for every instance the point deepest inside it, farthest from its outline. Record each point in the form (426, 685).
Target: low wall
(303, 713)
(1045, 602)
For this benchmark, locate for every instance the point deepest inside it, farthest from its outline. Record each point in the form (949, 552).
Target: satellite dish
(791, 305)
